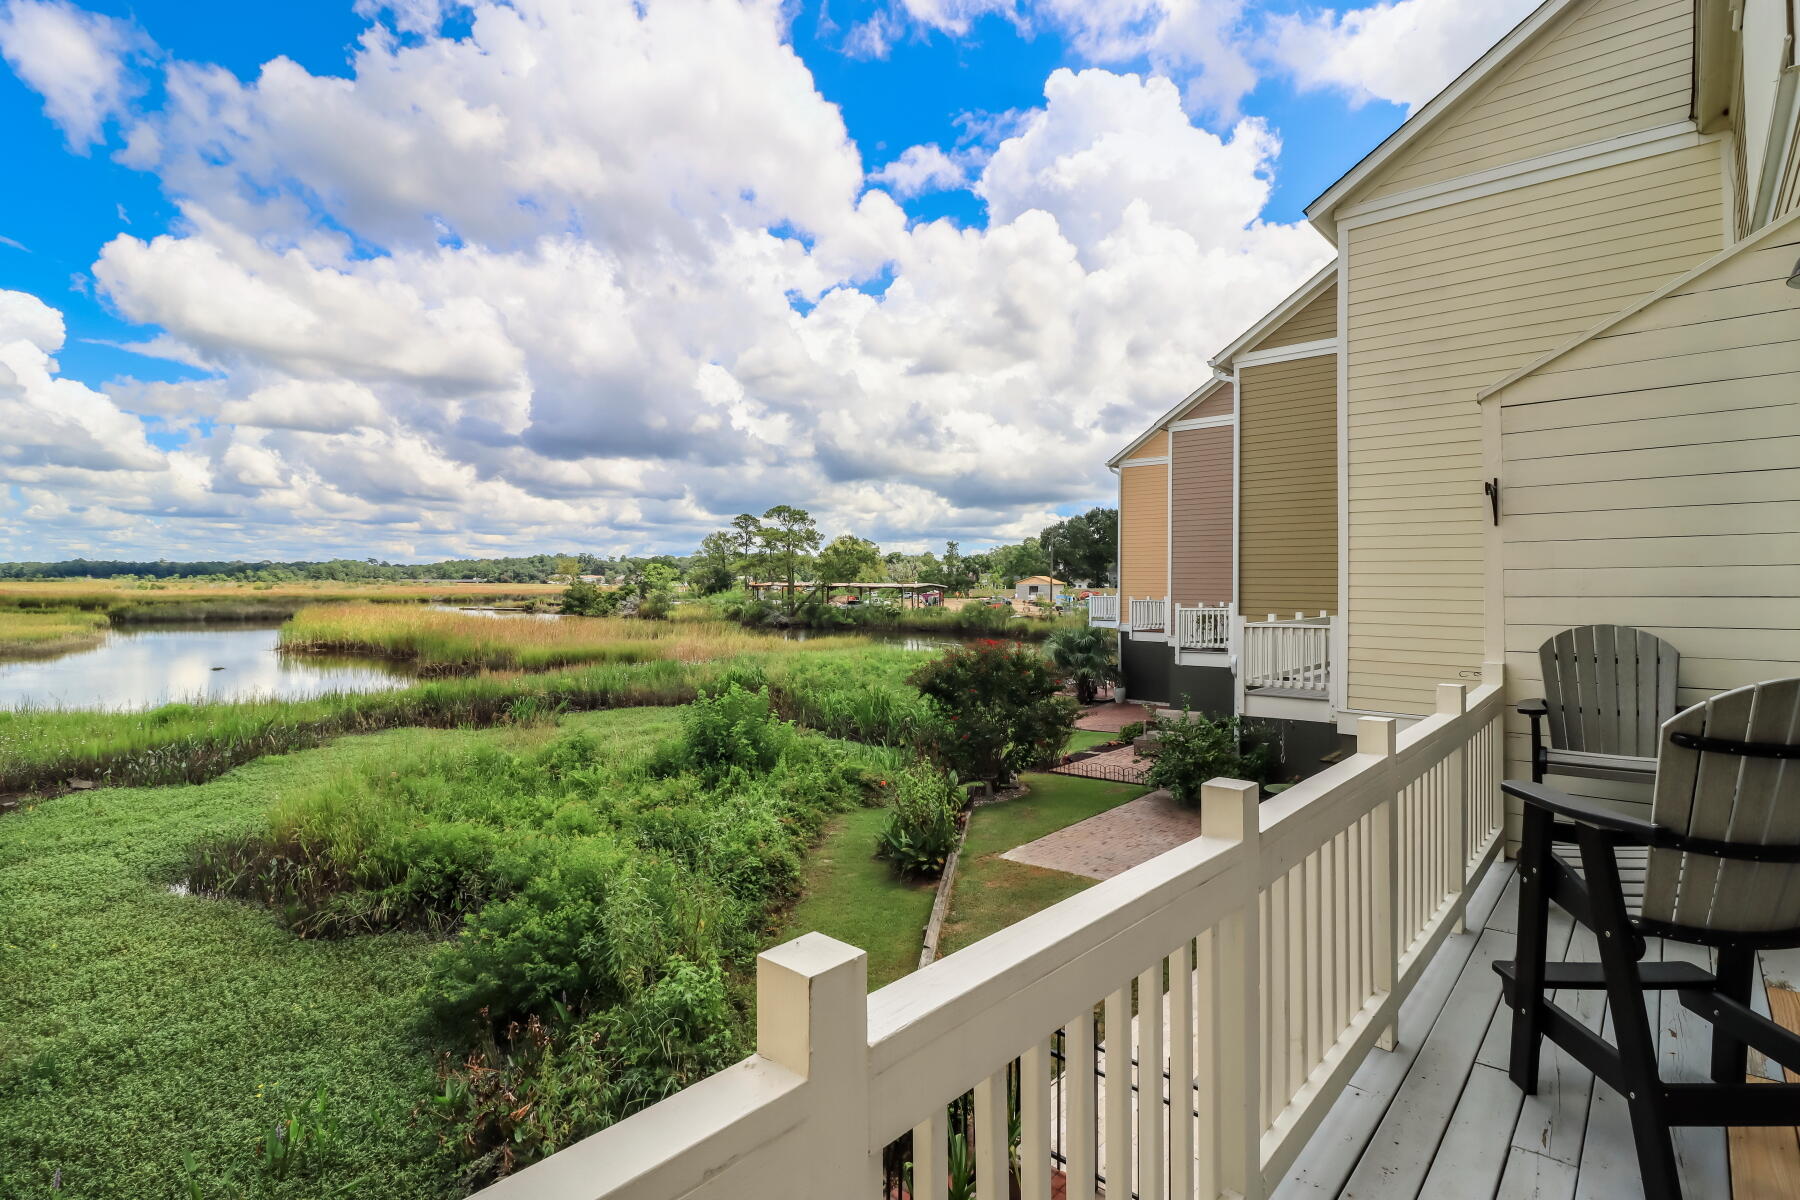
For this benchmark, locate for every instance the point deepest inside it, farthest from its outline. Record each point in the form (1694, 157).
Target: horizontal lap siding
(1217, 404)
(1288, 520)
(1315, 322)
(1609, 68)
(1144, 530)
(1675, 509)
(1200, 495)
(1442, 304)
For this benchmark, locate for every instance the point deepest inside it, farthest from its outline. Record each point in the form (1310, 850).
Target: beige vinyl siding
(1653, 479)
(1144, 528)
(1218, 404)
(1287, 553)
(1609, 67)
(1314, 322)
(1442, 304)
(1200, 508)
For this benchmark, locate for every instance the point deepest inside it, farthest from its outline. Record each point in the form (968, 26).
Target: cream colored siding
(1653, 479)
(1316, 321)
(1144, 529)
(1200, 499)
(1446, 302)
(1610, 67)
(1287, 552)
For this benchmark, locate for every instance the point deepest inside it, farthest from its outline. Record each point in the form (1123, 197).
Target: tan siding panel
(1200, 491)
(1610, 67)
(1144, 531)
(1429, 327)
(1288, 523)
(1315, 322)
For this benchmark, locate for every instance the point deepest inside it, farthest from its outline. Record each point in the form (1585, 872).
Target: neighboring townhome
(1228, 533)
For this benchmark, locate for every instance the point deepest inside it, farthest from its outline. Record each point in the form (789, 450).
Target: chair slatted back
(1729, 798)
(1608, 688)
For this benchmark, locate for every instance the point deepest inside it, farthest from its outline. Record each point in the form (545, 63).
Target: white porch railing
(1202, 628)
(1288, 933)
(1103, 610)
(1147, 615)
(1293, 656)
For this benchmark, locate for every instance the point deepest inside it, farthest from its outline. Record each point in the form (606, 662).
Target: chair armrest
(1533, 708)
(1581, 810)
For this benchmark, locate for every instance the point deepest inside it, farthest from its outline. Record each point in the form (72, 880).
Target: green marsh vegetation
(482, 945)
(43, 633)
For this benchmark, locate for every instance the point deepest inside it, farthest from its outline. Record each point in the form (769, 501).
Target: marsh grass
(130, 603)
(45, 634)
(454, 643)
(859, 694)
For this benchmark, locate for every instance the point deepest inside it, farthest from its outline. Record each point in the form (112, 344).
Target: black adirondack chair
(1607, 689)
(1721, 869)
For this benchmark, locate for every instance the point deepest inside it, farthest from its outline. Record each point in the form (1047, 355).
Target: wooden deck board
(1438, 1116)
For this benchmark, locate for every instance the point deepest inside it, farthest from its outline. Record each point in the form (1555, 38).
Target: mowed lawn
(856, 898)
(992, 892)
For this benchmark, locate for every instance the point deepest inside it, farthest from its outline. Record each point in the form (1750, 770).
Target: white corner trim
(1576, 160)
(1202, 423)
(1257, 358)
(1160, 460)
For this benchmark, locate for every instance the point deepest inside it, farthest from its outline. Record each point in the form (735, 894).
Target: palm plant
(1086, 657)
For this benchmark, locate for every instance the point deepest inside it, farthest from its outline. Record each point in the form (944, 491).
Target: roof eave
(1199, 393)
(1297, 299)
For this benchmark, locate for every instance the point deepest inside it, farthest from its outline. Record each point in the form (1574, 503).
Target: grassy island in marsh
(44, 634)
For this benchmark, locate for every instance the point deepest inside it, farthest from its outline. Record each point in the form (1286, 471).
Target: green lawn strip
(992, 892)
(855, 898)
(142, 1024)
(1085, 739)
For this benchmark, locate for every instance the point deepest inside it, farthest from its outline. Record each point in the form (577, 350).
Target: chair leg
(1736, 973)
(1529, 953)
(1632, 1034)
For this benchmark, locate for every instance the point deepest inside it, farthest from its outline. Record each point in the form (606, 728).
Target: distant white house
(1038, 587)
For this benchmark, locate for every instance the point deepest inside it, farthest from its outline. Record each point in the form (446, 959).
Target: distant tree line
(782, 545)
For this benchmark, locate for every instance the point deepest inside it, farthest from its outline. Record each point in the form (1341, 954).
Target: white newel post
(1228, 809)
(812, 1017)
(1453, 701)
(1380, 736)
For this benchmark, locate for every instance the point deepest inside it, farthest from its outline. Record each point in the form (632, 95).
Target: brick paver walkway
(1114, 841)
(1110, 718)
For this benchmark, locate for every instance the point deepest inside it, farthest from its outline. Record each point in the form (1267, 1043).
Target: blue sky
(716, 371)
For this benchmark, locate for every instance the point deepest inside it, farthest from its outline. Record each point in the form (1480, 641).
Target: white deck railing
(1202, 628)
(1288, 935)
(1147, 615)
(1292, 655)
(1103, 610)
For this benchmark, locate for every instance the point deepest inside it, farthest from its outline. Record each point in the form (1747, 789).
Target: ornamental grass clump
(922, 831)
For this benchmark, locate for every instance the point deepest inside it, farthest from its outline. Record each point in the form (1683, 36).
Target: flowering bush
(998, 710)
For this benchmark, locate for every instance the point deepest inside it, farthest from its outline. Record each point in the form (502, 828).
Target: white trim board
(1526, 32)
(1161, 460)
(1258, 358)
(1200, 393)
(1202, 423)
(1576, 160)
(1296, 300)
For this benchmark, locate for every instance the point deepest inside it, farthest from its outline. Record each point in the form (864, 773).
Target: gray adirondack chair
(1722, 869)
(1607, 689)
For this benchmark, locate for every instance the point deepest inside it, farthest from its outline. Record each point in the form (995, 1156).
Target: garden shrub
(1194, 748)
(922, 831)
(731, 729)
(998, 710)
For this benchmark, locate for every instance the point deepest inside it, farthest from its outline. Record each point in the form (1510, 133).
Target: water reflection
(142, 667)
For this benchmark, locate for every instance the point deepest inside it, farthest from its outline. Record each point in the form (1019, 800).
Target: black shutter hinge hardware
(1492, 488)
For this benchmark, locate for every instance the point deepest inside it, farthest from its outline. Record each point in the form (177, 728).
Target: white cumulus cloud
(72, 58)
